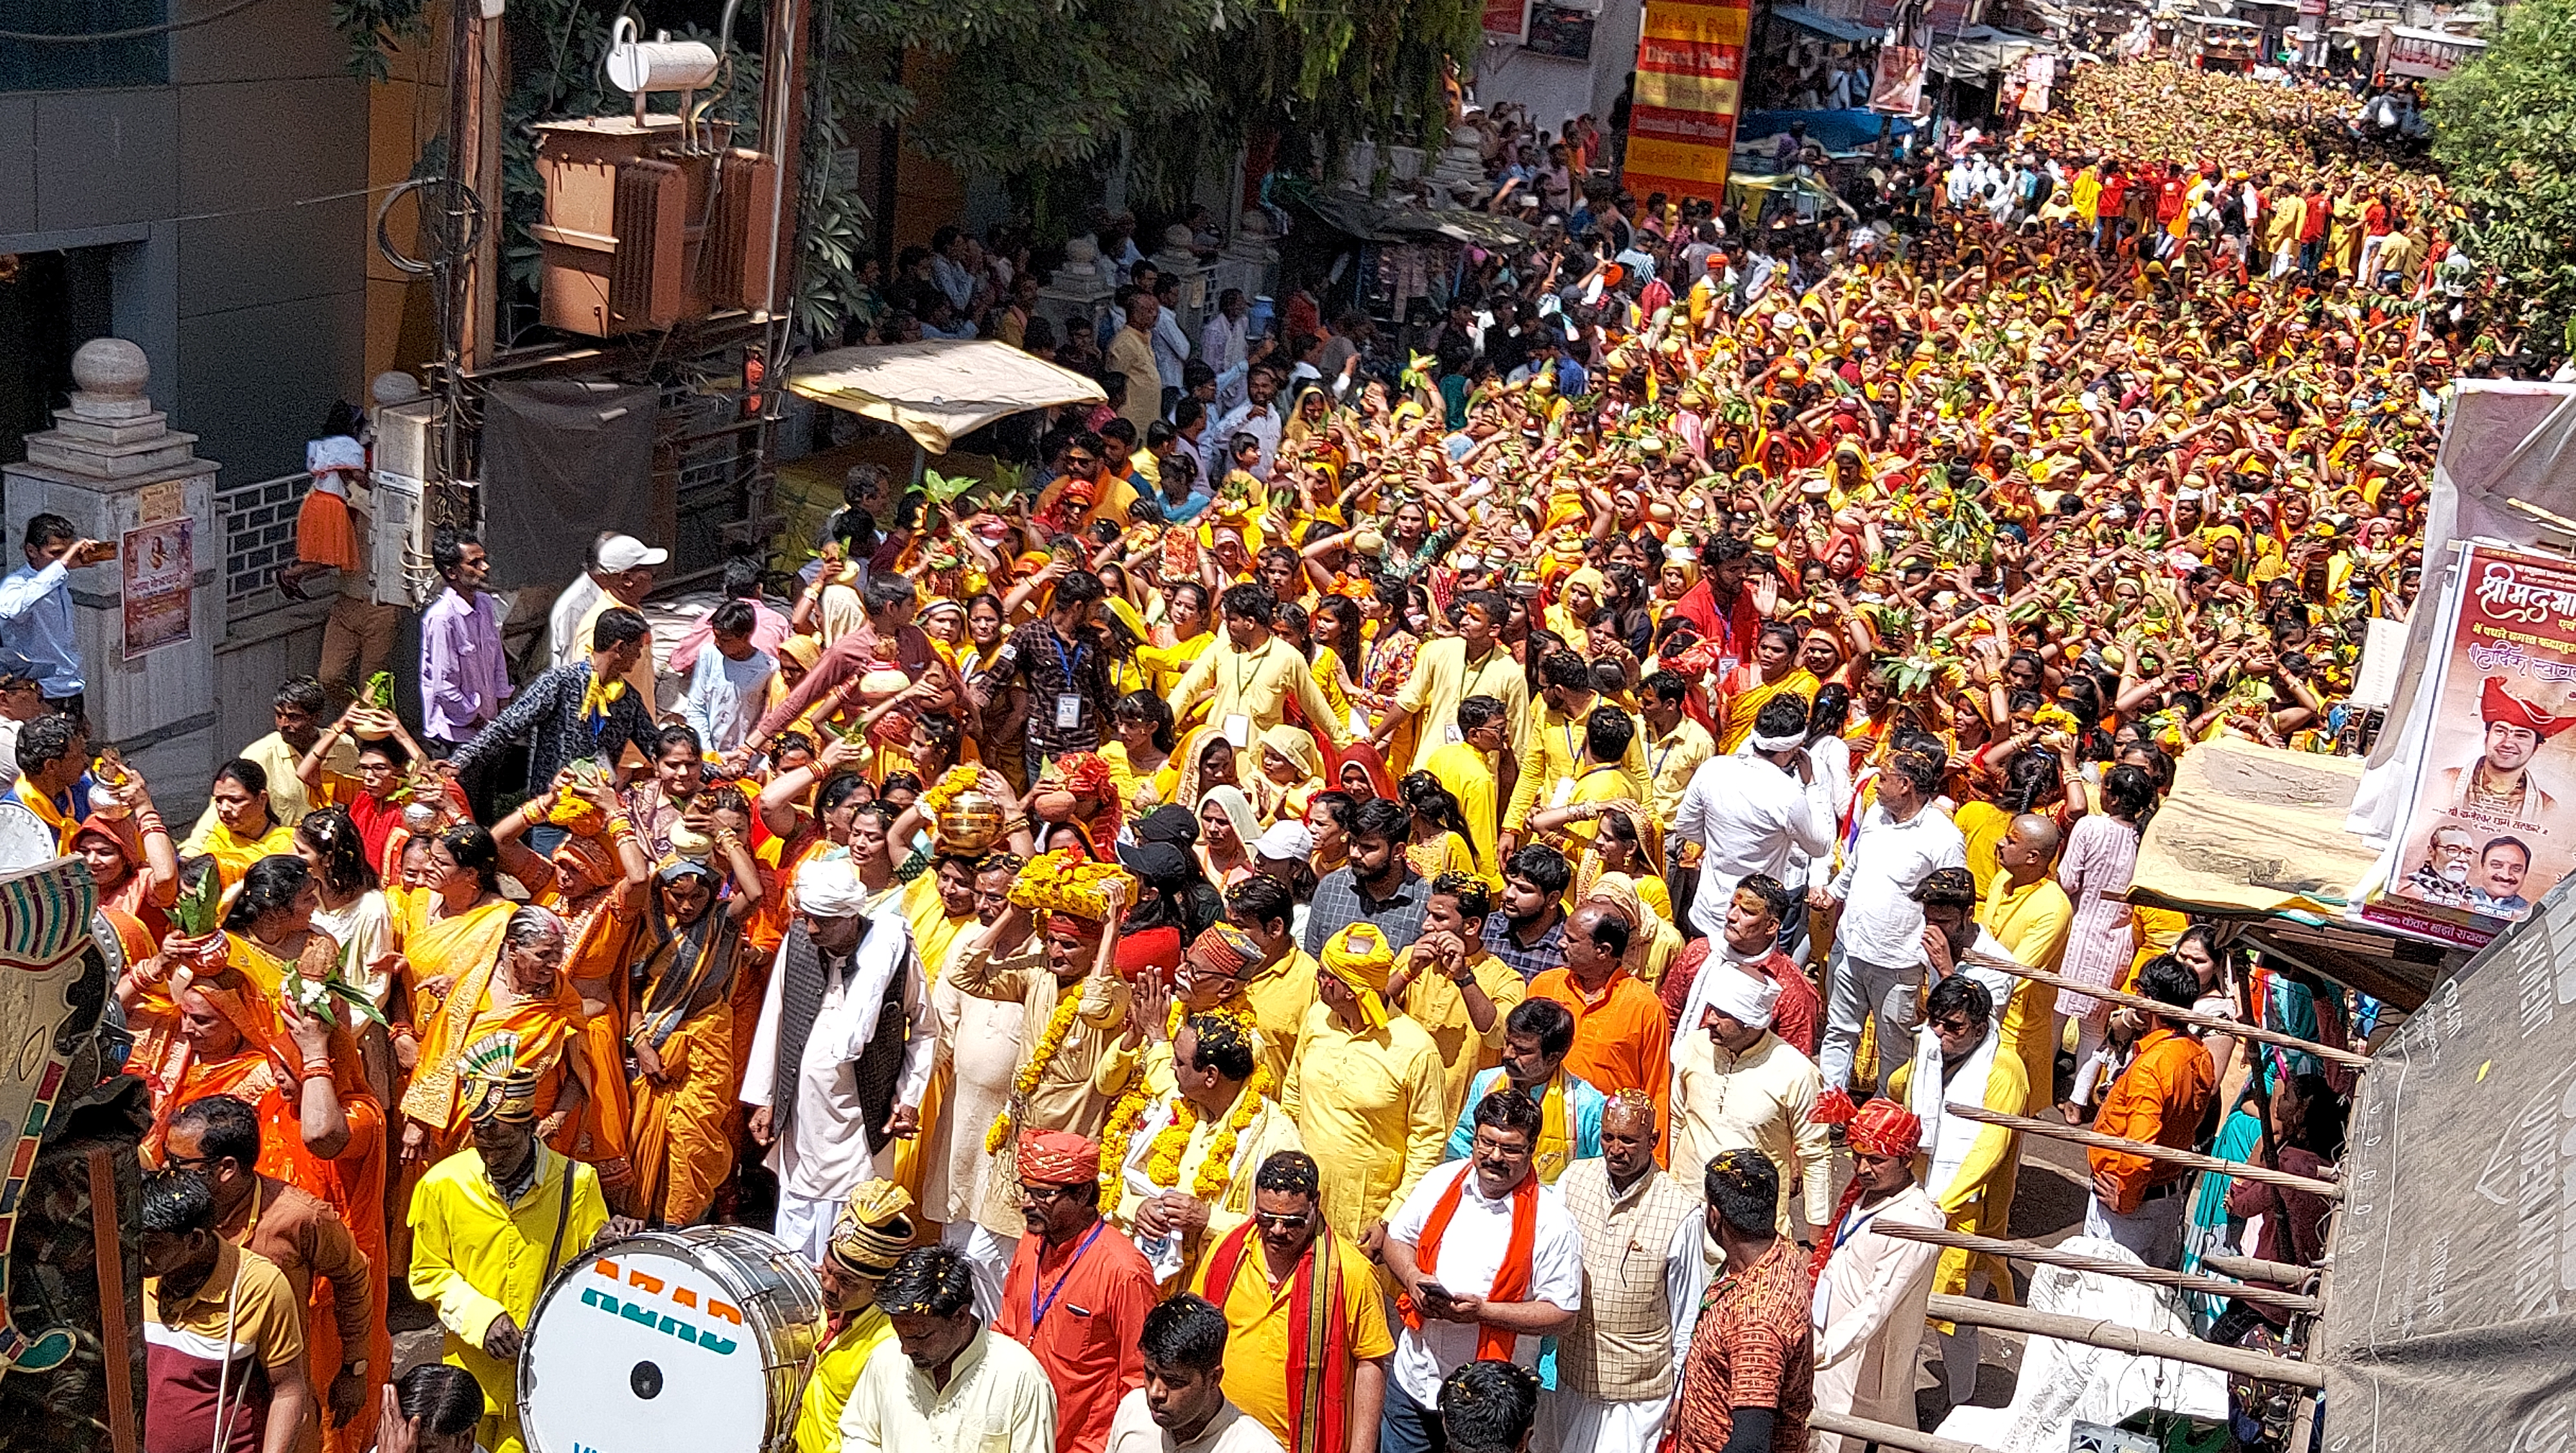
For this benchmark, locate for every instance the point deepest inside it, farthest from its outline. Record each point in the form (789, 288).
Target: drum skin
(690, 1341)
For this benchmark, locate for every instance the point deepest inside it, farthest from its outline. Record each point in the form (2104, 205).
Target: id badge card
(1450, 733)
(1068, 711)
(1238, 729)
(1564, 792)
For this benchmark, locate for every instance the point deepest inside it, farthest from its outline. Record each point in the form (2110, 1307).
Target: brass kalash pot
(971, 822)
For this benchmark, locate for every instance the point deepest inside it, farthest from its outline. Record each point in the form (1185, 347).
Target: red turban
(1056, 1158)
(2495, 704)
(1154, 951)
(1884, 1127)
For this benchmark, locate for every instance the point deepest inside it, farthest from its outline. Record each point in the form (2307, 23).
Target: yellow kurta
(1469, 776)
(1166, 665)
(1434, 1003)
(1367, 1105)
(1442, 677)
(1280, 996)
(1982, 825)
(475, 1258)
(1257, 686)
(1063, 1098)
(836, 1371)
(1671, 760)
(1257, 1330)
(2031, 924)
(1978, 1200)
(1551, 752)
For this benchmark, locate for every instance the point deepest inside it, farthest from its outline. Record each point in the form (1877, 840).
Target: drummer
(490, 1225)
(870, 1236)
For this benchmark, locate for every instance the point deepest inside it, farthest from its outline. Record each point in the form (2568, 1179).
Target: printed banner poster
(1690, 83)
(160, 565)
(2492, 825)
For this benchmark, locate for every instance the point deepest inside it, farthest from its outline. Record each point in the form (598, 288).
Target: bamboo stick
(115, 1336)
(2180, 1016)
(2249, 1268)
(2060, 1130)
(1888, 1435)
(2032, 1251)
(2095, 1332)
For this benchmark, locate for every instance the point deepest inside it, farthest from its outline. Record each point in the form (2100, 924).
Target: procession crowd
(1435, 905)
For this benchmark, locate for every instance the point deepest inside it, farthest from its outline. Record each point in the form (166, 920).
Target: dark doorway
(50, 304)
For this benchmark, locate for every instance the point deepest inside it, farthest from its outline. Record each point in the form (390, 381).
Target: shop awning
(1355, 214)
(939, 390)
(1982, 50)
(1824, 25)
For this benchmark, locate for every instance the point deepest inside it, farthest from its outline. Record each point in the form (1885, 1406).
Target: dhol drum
(691, 1341)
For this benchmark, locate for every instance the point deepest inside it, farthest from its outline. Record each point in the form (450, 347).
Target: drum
(692, 1341)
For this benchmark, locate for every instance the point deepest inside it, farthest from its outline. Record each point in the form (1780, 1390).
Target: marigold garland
(951, 785)
(1059, 1026)
(1066, 882)
(1216, 1171)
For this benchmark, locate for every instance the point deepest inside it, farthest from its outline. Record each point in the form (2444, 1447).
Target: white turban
(336, 452)
(829, 888)
(1744, 995)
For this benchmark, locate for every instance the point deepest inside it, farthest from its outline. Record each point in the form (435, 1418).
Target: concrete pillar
(113, 467)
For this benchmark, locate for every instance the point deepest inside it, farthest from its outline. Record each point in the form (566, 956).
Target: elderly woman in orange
(1365, 1088)
(521, 997)
(682, 1032)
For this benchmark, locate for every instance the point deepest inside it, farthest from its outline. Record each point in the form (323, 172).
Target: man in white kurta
(1617, 1366)
(1871, 1292)
(1737, 1086)
(946, 1381)
(811, 1081)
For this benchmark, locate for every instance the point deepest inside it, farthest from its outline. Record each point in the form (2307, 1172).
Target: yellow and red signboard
(1690, 85)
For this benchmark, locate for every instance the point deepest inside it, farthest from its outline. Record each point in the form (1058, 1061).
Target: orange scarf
(1511, 1279)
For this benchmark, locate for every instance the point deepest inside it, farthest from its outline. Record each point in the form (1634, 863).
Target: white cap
(625, 552)
(1286, 841)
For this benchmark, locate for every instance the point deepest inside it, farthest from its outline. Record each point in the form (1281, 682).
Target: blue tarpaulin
(1832, 130)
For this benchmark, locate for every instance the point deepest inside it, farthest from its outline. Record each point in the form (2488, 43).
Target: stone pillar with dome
(147, 622)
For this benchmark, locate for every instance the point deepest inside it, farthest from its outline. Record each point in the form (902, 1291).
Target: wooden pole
(2060, 1130)
(2031, 1251)
(2249, 1268)
(2095, 1332)
(2180, 1016)
(113, 1336)
(1888, 1435)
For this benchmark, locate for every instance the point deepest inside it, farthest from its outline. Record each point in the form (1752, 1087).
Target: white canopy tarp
(939, 390)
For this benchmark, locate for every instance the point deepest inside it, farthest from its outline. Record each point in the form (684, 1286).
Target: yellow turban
(1360, 958)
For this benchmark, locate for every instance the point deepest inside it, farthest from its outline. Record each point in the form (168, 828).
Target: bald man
(2028, 914)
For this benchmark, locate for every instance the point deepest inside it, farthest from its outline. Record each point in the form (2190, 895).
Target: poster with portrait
(2492, 823)
(160, 566)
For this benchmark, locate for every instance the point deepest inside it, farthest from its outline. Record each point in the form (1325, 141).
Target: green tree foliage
(2505, 133)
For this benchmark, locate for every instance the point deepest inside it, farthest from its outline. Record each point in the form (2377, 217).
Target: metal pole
(2095, 1332)
(2179, 1016)
(2060, 1131)
(2033, 1252)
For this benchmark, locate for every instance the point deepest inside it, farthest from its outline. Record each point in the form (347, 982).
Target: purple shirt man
(464, 677)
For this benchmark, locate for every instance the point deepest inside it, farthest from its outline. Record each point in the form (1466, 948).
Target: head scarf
(828, 887)
(1238, 812)
(803, 651)
(1058, 1158)
(1747, 996)
(1087, 774)
(1360, 958)
(589, 859)
(1361, 754)
(1193, 783)
(872, 1230)
(1618, 891)
(1298, 746)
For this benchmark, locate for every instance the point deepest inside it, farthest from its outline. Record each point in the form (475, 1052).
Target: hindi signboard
(2492, 822)
(1690, 85)
(160, 567)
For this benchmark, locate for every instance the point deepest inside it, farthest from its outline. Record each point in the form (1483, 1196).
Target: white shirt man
(1878, 941)
(1869, 1301)
(1261, 420)
(1226, 341)
(1171, 348)
(817, 1126)
(726, 694)
(1750, 814)
(1471, 1253)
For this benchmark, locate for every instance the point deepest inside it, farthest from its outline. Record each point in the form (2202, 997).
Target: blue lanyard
(1039, 1309)
(1069, 665)
(1856, 1226)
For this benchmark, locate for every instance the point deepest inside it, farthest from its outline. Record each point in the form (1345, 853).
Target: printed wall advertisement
(1506, 19)
(1690, 85)
(160, 565)
(2492, 823)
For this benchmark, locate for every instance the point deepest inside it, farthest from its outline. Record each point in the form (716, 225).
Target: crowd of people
(1371, 907)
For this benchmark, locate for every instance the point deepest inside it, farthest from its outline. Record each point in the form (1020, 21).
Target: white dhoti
(1572, 1423)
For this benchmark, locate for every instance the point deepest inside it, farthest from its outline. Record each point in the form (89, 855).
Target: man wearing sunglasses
(1269, 1369)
